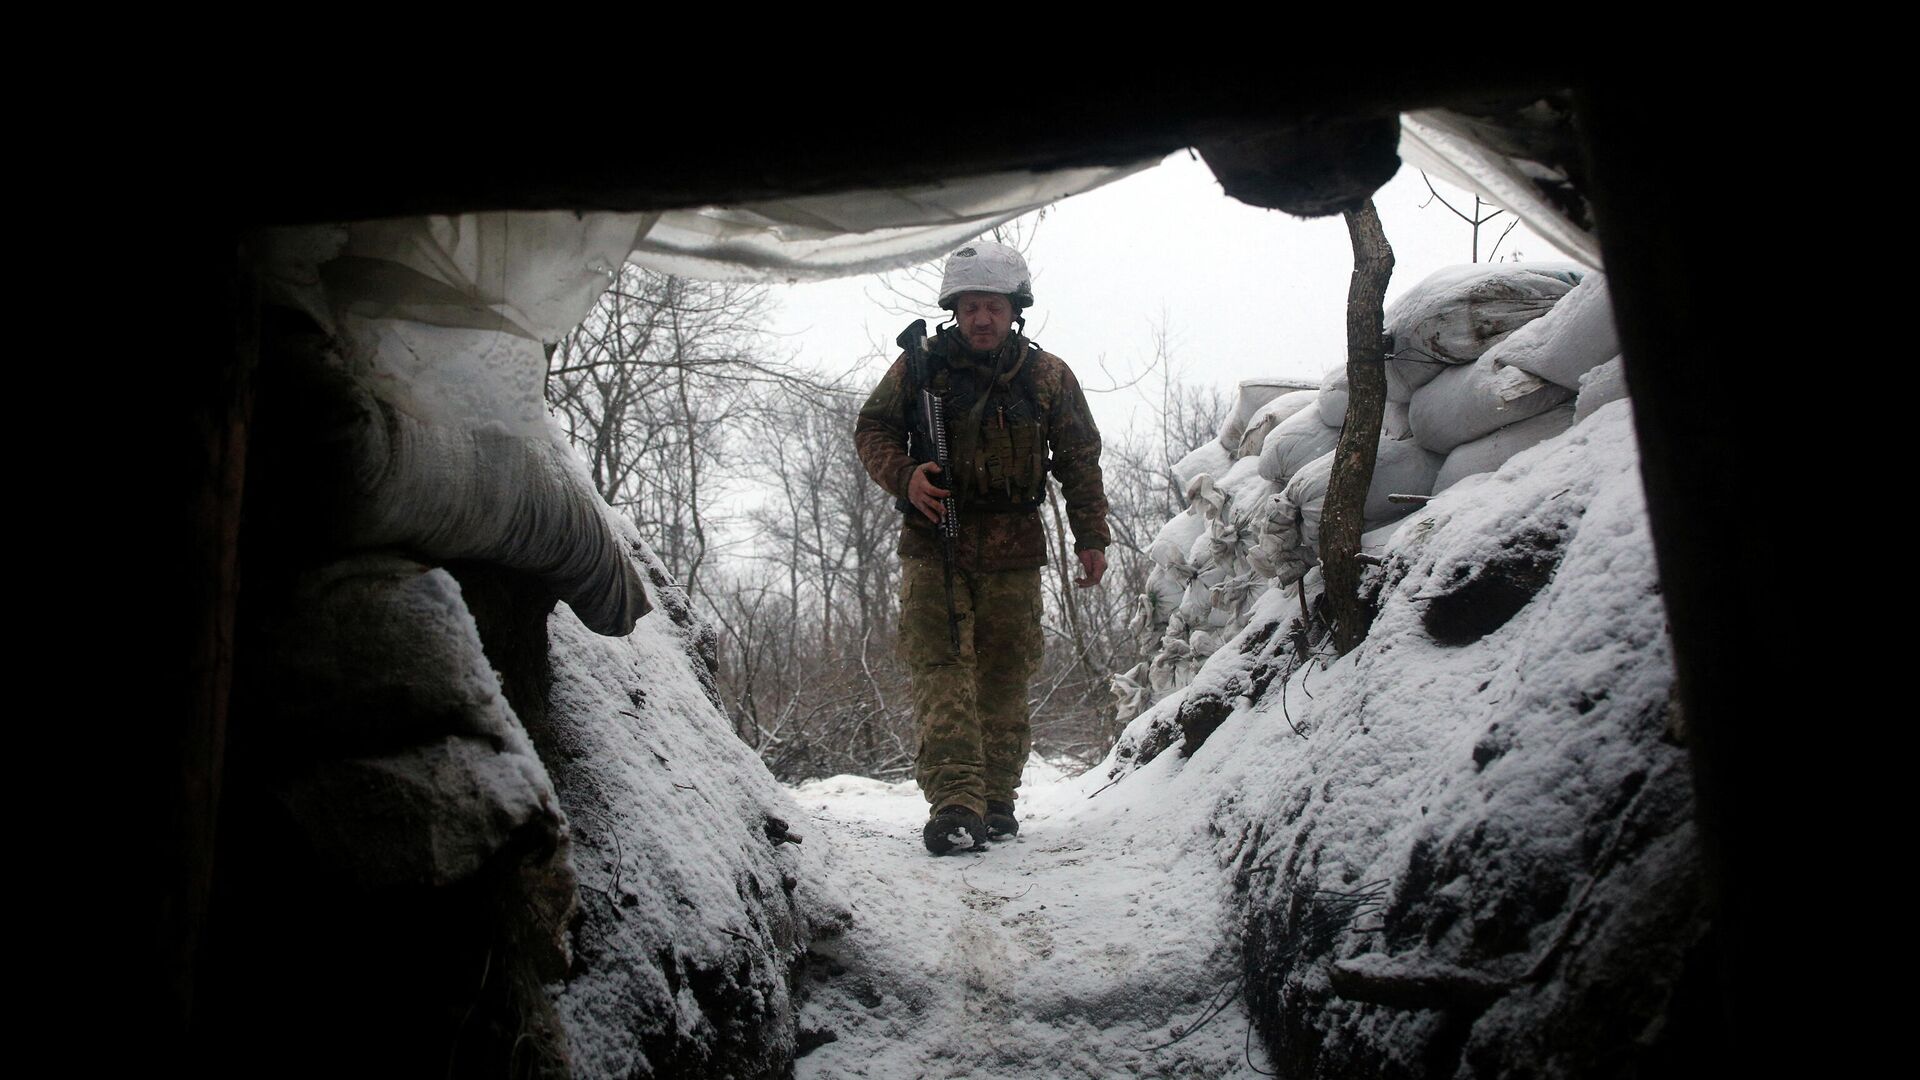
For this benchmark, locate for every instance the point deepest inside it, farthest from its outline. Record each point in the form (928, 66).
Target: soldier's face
(984, 318)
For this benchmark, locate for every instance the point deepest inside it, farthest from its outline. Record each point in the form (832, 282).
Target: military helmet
(984, 266)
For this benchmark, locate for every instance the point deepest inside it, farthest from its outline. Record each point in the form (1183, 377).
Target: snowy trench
(1464, 849)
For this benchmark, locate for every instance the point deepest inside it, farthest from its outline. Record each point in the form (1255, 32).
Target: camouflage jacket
(997, 531)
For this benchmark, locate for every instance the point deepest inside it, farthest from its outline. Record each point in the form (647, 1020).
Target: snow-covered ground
(1080, 949)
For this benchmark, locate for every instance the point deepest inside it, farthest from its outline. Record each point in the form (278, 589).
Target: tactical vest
(996, 433)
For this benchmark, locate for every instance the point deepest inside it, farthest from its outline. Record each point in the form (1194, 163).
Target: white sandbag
(1489, 452)
(1165, 670)
(1464, 404)
(1207, 458)
(1457, 312)
(1270, 416)
(1131, 694)
(1165, 590)
(1297, 440)
(1194, 605)
(1275, 550)
(1175, 538)
(1333, 397)
(1205, 497)
(1252, 394)
(1243, 486)
(1374, 540)
(1239, 594)
(1608, 382)
(1205, 643)
(1568, 341)
(1332, 404)
(1400, 467)
(1396, 422)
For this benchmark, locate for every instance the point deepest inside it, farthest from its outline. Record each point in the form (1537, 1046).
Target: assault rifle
(930, 442)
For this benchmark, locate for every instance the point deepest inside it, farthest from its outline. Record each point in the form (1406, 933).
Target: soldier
(1007, 403)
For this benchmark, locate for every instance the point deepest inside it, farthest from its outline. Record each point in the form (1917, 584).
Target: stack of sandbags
(1208, 459)
(1489, 452)
(1276, 550)
(1518, 393)
(1333, 407)
(1251, 397)
(1401, 467)
(1172, 570)
(1575, 337)
(1458, 312)
(1270, 416)
(1472, 401)
(1132, 692)
(1294, 442)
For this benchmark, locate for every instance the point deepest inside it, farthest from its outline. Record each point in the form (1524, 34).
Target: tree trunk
(1342, 522)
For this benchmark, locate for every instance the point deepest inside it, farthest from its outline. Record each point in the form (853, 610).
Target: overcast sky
(1243, 292)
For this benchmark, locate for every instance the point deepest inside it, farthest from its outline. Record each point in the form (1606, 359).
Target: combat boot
(954, 828)
(1001, 823)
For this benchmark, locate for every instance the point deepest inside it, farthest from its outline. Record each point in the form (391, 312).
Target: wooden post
(1342, 522)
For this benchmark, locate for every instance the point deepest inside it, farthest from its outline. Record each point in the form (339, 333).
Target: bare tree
(648, 387)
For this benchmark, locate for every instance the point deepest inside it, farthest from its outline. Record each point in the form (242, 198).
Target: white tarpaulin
(816, 237)
(1442, 143)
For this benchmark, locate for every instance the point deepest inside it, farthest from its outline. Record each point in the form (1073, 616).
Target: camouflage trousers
(972, 708)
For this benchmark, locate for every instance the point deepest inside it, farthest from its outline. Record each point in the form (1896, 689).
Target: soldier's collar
(1001, 365)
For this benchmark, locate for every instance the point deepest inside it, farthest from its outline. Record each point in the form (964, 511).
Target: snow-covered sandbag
(1243, 486)
(1270, 416)
(1395, 422)
(1165, 670)
(1205, 643)
(1165, 589)
(1457, 312)
(1175, 538)
(1253, 394)
(1239, 594)
(1205, 497)
(1131, 693)
(1608, 382)
(1275, 549)
(1374, 540)
(1208, 458)
(1333, 397)
(1489, 452)
(1568, 341)
(1332, 404)
(1400, 467)
(1194, 607)
(1297, 440)
(1465, 403)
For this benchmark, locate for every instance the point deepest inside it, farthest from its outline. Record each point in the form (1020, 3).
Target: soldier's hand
(922, 493)
(1093, 566)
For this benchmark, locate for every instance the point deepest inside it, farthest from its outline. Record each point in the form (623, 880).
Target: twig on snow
(996, 896)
